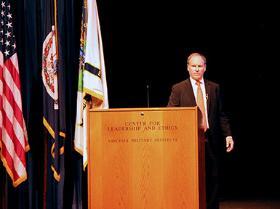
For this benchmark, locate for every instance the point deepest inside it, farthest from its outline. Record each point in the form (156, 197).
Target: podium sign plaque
(146, 158)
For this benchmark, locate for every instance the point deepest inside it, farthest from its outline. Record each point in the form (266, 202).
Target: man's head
(196, 66)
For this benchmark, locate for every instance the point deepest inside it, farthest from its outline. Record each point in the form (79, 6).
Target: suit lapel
(208, 93)
(189, 91)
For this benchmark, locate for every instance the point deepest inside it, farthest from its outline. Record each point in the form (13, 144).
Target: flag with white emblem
(92, 86)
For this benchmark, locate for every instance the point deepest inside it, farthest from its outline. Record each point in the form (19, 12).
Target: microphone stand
(148, 95)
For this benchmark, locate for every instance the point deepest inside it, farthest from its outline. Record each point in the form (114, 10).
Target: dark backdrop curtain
(28, 26)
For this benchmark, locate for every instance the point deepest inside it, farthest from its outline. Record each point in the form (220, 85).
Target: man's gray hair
(196, 54)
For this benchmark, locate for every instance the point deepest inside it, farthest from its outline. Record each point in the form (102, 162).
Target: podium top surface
(143, 109)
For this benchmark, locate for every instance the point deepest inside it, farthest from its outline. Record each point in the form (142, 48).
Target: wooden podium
(148, 158)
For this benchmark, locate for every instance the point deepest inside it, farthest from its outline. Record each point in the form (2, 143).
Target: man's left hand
(229, 143)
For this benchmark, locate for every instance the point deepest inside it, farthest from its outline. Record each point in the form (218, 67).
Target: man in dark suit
(197, 91)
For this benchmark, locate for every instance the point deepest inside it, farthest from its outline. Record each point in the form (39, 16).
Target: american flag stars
(7, 37)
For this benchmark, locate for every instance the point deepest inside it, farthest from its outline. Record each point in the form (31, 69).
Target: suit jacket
(182, 96)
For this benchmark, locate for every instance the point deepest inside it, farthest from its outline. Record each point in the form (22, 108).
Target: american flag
(13, 137)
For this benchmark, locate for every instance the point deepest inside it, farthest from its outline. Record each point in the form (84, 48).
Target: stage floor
(250, 204)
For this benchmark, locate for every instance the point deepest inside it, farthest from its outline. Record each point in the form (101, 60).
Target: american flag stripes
(13, 137)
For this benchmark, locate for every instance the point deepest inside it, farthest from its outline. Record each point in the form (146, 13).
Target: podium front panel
(143, 159)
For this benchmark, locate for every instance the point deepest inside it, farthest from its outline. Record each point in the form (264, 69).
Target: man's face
(196, 67)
